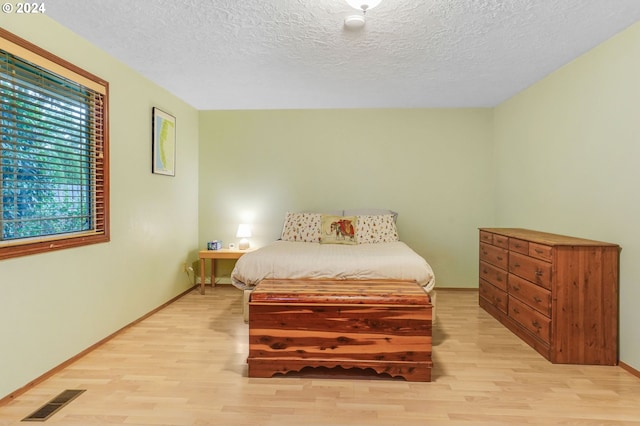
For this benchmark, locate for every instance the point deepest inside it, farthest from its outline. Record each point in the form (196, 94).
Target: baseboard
(456, 288)
(73, 359)
(629, 368)
(219, 280)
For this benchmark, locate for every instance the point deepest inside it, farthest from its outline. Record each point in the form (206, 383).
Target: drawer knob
(539, 272)
(499, 257)
(536, 324)
(537, 299)
(515, 310)
(515, 287)
(539, 251)
(516, 265)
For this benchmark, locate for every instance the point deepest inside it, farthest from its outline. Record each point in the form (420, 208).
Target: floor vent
(52, 407)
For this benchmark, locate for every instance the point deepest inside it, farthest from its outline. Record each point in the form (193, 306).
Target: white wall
(54, 305)
(432, 166)
(567, 152)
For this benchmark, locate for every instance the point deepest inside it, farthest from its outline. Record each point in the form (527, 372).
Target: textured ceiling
(281, 54)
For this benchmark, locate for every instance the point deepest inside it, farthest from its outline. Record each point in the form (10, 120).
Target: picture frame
(163, 143)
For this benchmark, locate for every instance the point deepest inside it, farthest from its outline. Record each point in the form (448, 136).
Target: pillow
(301, 227)
(376, 229)
(370, 212)
(338, 229)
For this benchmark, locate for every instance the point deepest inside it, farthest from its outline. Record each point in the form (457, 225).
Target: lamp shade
(363, 4)
(244, 231)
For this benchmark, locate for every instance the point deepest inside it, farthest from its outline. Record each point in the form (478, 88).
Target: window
(54, 180)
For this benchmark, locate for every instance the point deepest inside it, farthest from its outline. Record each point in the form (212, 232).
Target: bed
(338, 291)
(300, 260)
(310, 248)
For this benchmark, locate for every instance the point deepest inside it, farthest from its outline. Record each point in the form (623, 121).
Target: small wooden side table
(203, 255)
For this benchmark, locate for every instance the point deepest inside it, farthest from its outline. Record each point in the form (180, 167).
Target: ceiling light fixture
(357, 21)
(353, 22)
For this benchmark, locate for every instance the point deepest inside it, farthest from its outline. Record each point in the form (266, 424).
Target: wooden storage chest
(380, 325)
(557, 293)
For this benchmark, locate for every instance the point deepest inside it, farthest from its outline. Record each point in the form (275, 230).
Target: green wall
(431, 166)
(567, 152)
(55, 305)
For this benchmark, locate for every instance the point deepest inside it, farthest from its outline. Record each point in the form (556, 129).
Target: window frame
(52, 63)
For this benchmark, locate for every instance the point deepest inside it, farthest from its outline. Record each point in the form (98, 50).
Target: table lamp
(244, 232)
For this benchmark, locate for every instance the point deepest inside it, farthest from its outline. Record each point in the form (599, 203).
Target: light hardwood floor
(185, 365)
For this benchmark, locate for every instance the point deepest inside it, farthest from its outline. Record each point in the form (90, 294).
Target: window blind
(52, 155)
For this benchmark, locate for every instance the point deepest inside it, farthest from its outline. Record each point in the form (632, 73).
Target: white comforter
(284, 259)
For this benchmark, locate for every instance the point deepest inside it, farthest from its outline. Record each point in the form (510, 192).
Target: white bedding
(285, 259)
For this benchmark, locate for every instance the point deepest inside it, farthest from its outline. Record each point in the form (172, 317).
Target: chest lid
(343, 292)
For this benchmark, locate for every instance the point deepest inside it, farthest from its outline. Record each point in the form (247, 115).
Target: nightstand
(203, 255)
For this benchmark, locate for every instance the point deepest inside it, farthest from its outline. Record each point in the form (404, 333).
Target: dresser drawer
(520, 246)
(494, 295)
(534, 270)
(530, 319)
(495, 276)
(486, 237)
(533, 295)
(494, 255)
(540, 251)
(501, 241)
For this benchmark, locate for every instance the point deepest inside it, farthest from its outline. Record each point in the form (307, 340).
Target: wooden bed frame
(381, 325)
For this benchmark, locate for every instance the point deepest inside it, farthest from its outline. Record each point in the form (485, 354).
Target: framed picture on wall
(163, 143)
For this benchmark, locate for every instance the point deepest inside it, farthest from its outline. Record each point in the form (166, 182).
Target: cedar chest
(369, 324)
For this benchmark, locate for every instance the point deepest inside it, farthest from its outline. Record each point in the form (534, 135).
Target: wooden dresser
(557, 293)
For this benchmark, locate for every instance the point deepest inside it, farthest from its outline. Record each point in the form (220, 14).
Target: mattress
(301, 260)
